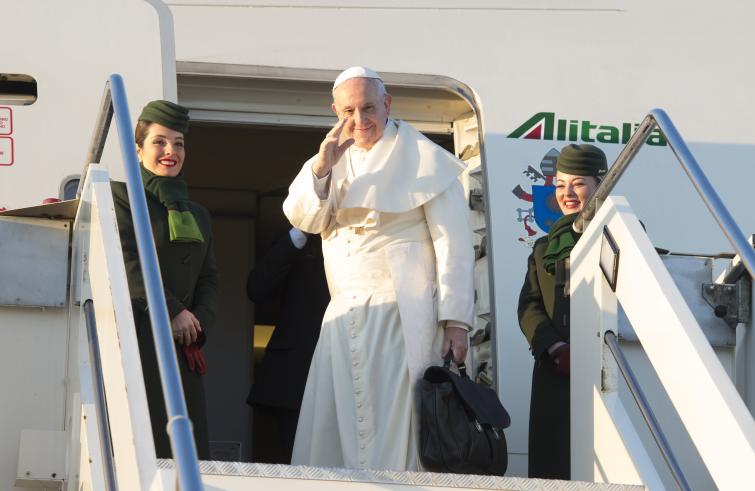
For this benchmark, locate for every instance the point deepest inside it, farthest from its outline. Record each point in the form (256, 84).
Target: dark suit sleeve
(268, 278)
(131, 254)
(533, 317)
(206, 291)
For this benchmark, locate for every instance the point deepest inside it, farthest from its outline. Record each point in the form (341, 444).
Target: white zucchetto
(355, 72)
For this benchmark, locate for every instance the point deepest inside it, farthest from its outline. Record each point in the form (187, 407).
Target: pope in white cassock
(399, 262)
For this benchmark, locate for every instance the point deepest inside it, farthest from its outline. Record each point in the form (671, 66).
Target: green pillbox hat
(582, 160)
(168, 114)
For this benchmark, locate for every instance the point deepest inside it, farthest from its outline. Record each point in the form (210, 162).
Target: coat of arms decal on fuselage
(541, 210)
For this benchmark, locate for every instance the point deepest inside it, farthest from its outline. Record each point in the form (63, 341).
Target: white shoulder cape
(401, 173)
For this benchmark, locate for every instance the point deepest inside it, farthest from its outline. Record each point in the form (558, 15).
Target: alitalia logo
(545, 126)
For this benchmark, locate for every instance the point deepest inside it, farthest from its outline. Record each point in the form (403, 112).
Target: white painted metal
(88, 474)
(689, 273)
(41, 459)
(34, 262)
(744, 352)
(33, 384)
(85, 457)
(600, 450)
(98, 248)
(715, 417)
(622, 457)
(673, 428)
(746, 346)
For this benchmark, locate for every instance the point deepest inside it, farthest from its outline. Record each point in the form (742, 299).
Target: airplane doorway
(241, 174)
(248, 140)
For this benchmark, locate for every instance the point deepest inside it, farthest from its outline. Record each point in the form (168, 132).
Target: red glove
(561, 358)
(195, 358)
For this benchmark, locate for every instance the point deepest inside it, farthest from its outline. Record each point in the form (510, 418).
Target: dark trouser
(193, 387)
(549, 440)
(273, 435)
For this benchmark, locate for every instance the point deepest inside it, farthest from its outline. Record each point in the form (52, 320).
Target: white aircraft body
(503, 84)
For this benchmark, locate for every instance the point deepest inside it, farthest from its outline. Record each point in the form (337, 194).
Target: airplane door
(467, 146)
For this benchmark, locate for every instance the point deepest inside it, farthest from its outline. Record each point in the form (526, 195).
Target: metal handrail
(647, 413)
(100, 403)
(736, 268)
(658, 118)
(179, 426)
(99, 135)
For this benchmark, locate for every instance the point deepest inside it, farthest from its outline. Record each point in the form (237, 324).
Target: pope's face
(572, 192)
(162, 152)
(360, 100)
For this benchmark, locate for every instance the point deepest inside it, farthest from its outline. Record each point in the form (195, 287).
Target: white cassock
(399, 261)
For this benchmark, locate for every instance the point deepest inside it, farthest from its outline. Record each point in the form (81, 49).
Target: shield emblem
(545, 207)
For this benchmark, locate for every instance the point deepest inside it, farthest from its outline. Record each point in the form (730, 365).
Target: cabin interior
(248, 140)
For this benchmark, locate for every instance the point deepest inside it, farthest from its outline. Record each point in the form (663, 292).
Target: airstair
(663, 392)
(79, 404)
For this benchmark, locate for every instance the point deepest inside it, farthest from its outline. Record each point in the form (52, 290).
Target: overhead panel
(269, 102)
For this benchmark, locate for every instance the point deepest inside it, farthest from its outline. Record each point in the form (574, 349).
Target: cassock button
(361, 419)
(362, 447)
(355, 363)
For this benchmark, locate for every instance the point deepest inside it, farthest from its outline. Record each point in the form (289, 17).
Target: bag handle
(461, 366)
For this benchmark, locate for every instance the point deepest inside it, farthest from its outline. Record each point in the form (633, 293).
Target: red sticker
(6, 150)
(6, 121)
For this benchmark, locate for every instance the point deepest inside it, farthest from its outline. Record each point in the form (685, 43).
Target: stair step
(399, 479)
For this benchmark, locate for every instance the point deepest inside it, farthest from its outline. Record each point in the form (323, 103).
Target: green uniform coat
(190, 280)
(541, 305)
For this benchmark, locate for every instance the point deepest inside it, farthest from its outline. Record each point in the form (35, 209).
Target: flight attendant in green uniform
(183, 239)
(544, 313)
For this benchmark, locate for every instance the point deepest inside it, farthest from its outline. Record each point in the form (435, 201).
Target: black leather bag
(461, 424)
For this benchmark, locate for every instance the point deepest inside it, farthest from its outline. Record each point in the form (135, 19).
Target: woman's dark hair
(140, 133)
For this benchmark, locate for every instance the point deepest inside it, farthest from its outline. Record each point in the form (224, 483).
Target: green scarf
(174, 196)
(561, 240)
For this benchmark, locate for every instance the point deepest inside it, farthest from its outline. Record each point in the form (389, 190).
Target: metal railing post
(615, 172)
(100, 403)
(706, 190)
(99, 135)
